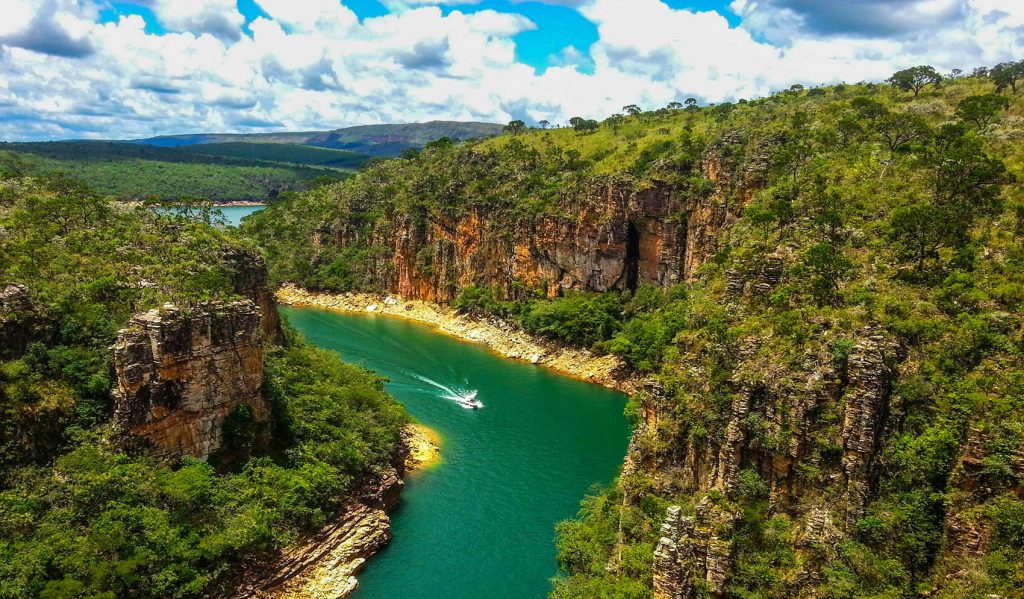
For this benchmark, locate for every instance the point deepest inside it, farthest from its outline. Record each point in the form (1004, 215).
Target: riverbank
(423, 447)
(325, 565)
(608, 371)
(240, 204)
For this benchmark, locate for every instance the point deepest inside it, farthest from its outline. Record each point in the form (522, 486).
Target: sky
(80, 69)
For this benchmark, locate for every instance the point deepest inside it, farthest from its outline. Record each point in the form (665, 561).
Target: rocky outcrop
(249, 278)
(325, 564)
(19, 321)
(694, 552)
(181, 373)
(866, 411)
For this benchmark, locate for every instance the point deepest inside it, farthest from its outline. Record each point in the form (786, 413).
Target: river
(235, 214)
(481, 523)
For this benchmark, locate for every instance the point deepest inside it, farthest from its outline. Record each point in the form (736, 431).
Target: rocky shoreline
(325, 564)
(608, 371)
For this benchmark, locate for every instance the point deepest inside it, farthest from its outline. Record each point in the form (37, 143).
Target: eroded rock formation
(249, 276)
(19, 321)
(180, 373)
(694, 552)
(325, 565)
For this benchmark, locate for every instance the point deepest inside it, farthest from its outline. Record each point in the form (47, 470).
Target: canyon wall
(618, 238)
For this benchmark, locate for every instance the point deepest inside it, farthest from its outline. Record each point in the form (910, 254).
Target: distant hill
(372, 140)
(216, 171)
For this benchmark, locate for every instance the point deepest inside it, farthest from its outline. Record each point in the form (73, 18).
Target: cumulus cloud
(869, 18)
(51, 27)
(312, 64)
(219, 18)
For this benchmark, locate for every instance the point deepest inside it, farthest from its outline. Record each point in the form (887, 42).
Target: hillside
(158, 427)
(821, 289)
(219, 172)
(372, 140)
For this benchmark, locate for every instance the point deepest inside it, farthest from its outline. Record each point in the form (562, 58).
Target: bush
(578, 318)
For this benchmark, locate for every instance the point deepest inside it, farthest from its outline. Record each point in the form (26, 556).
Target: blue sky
(132, 68)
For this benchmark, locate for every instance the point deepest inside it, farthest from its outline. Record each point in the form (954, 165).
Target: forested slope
(823, 288)
(89, 509)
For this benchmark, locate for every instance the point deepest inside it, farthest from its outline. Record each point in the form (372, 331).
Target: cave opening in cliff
(632, 257)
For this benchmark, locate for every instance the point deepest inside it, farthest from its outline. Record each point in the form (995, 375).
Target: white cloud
(311, 64)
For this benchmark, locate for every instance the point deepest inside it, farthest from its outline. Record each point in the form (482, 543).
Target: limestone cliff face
(694, 552)
(249, 276)
(20, 322)
(180, 373)
(619, 238)
(823, 413)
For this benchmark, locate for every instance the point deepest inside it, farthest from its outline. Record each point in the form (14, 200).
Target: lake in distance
(482, 522)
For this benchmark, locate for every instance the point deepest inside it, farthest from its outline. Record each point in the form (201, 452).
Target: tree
(674, 105)
(981, 110)
(515, 127)
(615, 121)
(632, 109)
(896, 129)
(1006, 74)
(582, 125)
(828, 268)
(544, 124)
(915, 79)
(899, 129)
(691, 104)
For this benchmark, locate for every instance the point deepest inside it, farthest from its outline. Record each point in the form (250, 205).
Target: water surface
(480, 524)
(235, 214)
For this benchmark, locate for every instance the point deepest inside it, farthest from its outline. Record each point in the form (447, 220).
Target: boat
(469, 401)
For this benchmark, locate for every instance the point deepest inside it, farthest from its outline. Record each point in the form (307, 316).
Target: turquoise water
(480, 524)
(235, 214)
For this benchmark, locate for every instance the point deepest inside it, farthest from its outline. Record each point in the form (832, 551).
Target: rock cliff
(619, 238)
(832, 415)
(181, 373)
(20, 323)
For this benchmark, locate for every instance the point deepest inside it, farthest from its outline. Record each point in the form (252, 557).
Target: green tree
(981, 109)
(1005, 75)
(915, 79)
(582, 125)
(632, 109)
(615, 122)
(515, 127)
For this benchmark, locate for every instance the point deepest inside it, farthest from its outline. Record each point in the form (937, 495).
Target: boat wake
(464, 397)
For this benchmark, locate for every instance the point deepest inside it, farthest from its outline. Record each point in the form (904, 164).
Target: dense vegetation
(219, 172)
(892, 206)
(80, 517)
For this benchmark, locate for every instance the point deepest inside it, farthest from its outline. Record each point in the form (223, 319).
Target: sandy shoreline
(511, 343)
(424, 447)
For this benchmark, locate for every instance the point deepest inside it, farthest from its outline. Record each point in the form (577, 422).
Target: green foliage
(915, 79)
(578, 318)
(231, 171)
(105, 522)
(982, 109)
(81, 518)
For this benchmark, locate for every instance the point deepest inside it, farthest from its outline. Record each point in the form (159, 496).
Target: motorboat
(469, 401)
